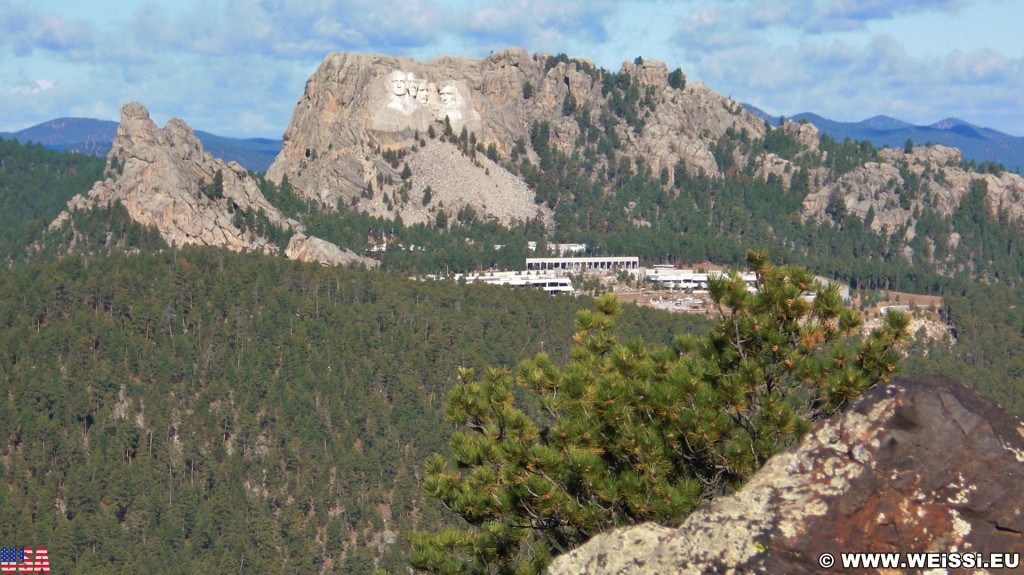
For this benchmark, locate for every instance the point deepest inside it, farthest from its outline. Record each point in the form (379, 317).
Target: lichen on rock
(919, 465)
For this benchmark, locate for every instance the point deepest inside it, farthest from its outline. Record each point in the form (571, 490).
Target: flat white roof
(586, 260)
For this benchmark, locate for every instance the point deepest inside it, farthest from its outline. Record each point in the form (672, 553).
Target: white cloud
(26, 30)
(829, 16)
(34, 88)
(849, 82)
(541, 25)
(700, 19)
(982, 66)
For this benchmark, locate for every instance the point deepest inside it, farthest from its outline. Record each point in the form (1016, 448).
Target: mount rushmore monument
(356, 107)
(415, 103)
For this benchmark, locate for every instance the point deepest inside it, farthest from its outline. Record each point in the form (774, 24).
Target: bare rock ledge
(919, 465)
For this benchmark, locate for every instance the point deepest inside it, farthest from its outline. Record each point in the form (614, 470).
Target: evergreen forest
(196, 410)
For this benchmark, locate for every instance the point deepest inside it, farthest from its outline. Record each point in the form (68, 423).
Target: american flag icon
(24, 560)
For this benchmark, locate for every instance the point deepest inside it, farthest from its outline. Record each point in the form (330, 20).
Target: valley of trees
(198, 410)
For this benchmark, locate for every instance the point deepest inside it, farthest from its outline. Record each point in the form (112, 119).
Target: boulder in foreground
(919, 465)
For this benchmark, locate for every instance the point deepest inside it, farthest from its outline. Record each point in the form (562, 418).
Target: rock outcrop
(770, 164)
(902, 183)
(165, 179)
(313, 249)
(922, 465)
(357, 107)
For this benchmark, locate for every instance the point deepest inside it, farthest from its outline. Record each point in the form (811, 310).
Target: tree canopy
(187, 410)
(626, 432)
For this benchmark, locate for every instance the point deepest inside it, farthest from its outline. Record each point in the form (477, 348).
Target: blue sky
(237, 67)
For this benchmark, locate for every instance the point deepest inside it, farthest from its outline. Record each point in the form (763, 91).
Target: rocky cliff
(356, 107)
(916, 466)
(364, 118)
(906, 182)
(166, 180)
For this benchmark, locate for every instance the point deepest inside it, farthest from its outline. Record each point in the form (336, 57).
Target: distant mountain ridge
(92, 136)
(977, 144)
(95, 137)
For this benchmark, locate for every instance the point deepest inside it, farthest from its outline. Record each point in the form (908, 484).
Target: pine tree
(630, 433)
(218, 185)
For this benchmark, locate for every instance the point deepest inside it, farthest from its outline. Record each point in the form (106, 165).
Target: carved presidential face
(422, 92)
(398, 83)
(411, 83)
(448, 96)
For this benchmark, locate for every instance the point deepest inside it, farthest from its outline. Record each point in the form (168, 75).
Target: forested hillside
(988, 353)
(35, 185)
(199, 410)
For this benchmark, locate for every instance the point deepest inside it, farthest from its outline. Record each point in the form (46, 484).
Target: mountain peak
(79, 134)
(134, 111)
(883, 122)
(136, 127)
(165, 179)
(950, 123)
(357, 108)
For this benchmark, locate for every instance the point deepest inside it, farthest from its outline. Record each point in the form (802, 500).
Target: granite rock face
(159, 176)
(357, 106)
(904, 182)
(313, 249)
(923, 465)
